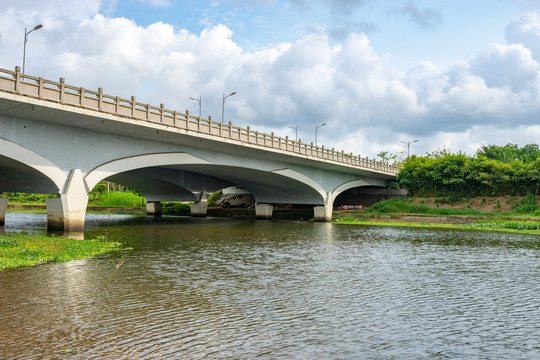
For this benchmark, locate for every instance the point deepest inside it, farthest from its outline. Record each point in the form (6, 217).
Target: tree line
(493, 171)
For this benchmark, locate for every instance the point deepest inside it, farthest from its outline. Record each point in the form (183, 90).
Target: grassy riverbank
(512, 214)
(24, 250)
(526, 227)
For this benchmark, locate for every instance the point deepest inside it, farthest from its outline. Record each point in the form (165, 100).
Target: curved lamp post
(295, 131)
(408, 146)
(26, 33)
(317, 128)
(200, 104)
(223, 105)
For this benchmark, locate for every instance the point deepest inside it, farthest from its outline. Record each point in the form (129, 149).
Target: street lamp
(317, 128)
(26, 33)
(200, 104)
(223, 105)
(408, 146)
(295, 131)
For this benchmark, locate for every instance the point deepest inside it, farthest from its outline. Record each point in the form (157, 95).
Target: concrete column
(3, 208)
(200, 208)
(68, 211)
(263, 211)
(324, 213)
(154, 208)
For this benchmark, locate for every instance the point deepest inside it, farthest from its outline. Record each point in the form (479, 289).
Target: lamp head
(38, 27)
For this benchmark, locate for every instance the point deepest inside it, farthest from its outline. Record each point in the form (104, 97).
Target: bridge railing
(37, 87)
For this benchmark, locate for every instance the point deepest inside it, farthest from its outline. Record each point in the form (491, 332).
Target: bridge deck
(39, 88)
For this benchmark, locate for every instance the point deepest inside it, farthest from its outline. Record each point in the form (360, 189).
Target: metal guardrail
(60, 92)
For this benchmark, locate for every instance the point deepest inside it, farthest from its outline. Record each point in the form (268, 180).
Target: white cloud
(369, 105)
(506, 65)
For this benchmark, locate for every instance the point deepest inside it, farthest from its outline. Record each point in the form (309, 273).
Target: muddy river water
(225, 289)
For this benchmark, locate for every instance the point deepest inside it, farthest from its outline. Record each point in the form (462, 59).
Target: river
(223, 289)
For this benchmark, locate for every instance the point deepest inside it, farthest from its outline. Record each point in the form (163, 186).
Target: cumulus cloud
(369, 104)
(525, 29)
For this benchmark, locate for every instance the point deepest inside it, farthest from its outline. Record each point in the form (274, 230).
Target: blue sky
(440, 31)
(453, 74)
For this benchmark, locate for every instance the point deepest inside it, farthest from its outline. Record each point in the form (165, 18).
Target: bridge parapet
(37, 87)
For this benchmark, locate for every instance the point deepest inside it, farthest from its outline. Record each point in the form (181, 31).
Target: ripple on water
(194, 289)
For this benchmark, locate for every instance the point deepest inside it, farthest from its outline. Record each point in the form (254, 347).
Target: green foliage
(125, 199)
(27, 198)
(526, 205)
(23, 250)
(506, 224)
(101, 187)
(213, 197)
(407, 206)
(529, 227)
(176, 208)
(495, 171)
(510, 153)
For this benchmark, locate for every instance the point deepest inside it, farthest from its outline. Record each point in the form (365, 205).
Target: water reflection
(214, 288)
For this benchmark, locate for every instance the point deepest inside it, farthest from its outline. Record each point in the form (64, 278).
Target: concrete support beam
(200, 208)
(154, 208)
(263, 211)
(322, 213)
(3, 209)
(68, 211)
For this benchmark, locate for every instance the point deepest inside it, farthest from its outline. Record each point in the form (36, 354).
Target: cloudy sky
(451, 74)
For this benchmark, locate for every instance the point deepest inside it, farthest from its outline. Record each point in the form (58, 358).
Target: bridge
(63, 140)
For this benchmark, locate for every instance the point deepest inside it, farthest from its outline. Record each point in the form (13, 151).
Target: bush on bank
(493, 171)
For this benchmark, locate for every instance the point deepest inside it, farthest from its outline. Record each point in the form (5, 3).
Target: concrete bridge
(63, 140)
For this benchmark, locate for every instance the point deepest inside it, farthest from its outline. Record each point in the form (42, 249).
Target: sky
(448, 75)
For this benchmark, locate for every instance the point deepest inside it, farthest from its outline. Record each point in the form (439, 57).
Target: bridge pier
(154, 208)
(67, 212)
(200, 208)
(324, 213)
(263, 211)
(3, 209)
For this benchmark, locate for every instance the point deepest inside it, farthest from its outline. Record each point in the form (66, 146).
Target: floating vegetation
(24, 250)
(531, 227)
(505, 225)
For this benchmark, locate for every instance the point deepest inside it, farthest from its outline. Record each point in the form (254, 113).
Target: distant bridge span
(60, 139)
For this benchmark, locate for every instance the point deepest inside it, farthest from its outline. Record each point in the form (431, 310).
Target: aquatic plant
(24, 250)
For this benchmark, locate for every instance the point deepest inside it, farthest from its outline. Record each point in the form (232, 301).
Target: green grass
(527, 205)
(506, 225)
(27, 198)
(527, 227)
(407, 206)
(124, 199)
(24, 250)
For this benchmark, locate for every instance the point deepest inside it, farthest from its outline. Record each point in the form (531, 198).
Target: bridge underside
(18, 177)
